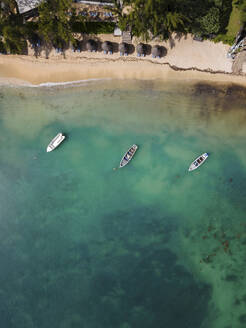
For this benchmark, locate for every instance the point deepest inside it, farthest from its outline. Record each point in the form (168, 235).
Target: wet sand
(39, 70)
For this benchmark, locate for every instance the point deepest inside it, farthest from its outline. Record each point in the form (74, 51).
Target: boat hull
(55, 142)
(128, 156)
(198, 162)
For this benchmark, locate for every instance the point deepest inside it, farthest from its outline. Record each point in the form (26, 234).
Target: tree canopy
(57, 20)
(11, 28)
(53, 23)
(151, 18)
(210, 23)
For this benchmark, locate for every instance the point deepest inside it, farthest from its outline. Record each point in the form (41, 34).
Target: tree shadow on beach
(37, 51)
(47, 47)
(65, 47)
(171, 42)
(178, 36)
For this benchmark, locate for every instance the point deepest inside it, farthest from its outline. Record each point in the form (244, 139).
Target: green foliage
(211, 22)
(2, 47)
(53, 23)
(242, 7)
(227, 39)
(76, 22)
(226, 10)
(150, 18)
(14, 39)
(145, 18)
(8, 7)
(153, 17)
(99, 27)
(30, 30)
(234, 21)
(79, 25)
(11, 28)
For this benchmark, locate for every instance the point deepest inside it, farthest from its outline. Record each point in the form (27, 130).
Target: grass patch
(232, 28)
(234, 21)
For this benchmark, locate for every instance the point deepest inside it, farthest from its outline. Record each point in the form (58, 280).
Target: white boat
(198, 161)
(55, 142)
(128, 155)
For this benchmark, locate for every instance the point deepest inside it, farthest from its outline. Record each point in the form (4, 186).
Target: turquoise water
(150, 245)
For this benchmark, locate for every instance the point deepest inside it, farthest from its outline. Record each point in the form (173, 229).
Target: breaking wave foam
(75, 83)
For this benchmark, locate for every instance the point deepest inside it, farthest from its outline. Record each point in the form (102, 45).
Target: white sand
(184, 53)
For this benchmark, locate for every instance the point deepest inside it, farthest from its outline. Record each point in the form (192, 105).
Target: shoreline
(185, 60)
(20, 70)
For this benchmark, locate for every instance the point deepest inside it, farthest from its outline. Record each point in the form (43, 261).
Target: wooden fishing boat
(198, 161)
(128, 156)
(55, 142)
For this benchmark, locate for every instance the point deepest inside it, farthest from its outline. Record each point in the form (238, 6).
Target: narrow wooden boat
(55, 142)
(198, 161)
(128, 156)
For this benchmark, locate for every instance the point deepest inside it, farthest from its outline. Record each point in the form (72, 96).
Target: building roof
(117, 32)
(26, 5)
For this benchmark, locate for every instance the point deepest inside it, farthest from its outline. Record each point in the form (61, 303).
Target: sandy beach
(185, 59)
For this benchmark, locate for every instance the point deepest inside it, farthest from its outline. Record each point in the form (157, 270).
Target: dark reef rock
(242, 318)
(229, 90)
(231, 278)
(142, 279)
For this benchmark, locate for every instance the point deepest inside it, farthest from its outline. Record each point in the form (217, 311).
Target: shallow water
(150, 245)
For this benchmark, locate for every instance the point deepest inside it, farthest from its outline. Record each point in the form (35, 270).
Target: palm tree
(53, 22)
(14, 39)
(156, 17)
(173, 21)
(12, 27)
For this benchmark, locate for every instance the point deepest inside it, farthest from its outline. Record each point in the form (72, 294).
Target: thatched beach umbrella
(107, 46)
(141, 49)
(123, 48)
(156, 51)
(91, 45)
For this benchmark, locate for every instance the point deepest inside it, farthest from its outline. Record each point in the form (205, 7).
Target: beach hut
(123, 47)
(107, 47)
(156, 52)
(141, 50)
(91, 45)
